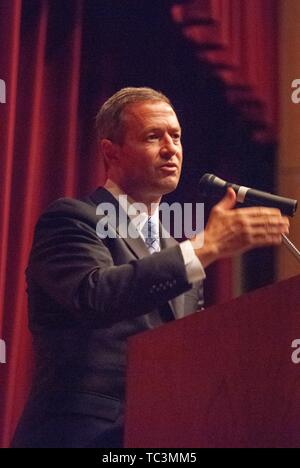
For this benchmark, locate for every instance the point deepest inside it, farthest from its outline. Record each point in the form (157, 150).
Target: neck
(151, 201)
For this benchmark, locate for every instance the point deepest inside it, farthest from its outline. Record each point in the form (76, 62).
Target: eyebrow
(154, 129)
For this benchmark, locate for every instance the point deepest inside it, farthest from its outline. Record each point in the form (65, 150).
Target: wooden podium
(223, 377)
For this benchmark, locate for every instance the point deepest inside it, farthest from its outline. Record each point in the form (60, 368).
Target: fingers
(256, 211)
(261, 216)
(256, 216)
(270, 219)
(270, 224)
(266, 240)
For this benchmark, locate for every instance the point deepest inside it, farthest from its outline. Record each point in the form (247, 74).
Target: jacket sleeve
(72, 266)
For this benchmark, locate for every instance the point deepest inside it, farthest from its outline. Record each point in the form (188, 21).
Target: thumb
(228, 201)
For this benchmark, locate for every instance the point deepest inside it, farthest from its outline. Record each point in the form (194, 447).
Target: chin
(168, 186)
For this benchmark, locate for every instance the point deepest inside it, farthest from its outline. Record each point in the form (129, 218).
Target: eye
(176, 136)
(152, 136)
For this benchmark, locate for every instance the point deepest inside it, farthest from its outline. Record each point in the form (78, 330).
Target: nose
(168, 147)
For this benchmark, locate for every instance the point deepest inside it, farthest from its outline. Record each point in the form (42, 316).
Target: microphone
(211, 186)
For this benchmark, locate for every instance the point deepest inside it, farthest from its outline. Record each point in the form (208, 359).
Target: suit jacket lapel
(137, 245)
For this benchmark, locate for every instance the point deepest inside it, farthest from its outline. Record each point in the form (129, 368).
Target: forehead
(141, 115)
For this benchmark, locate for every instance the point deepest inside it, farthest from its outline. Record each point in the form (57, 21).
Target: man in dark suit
(88, 292)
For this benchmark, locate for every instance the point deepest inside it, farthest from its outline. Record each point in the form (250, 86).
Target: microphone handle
(287, 206)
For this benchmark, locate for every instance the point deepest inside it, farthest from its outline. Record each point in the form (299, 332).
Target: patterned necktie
(151, 235)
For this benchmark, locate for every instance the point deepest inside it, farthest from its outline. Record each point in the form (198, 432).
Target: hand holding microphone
(230, 232)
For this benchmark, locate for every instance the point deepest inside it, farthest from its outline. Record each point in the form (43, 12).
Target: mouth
(169, 168)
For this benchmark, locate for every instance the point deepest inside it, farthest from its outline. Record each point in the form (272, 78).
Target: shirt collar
(138, 220)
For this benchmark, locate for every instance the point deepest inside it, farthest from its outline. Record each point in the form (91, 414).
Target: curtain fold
(10, 23)
(17, 302)
(42, 102)
(238, 39)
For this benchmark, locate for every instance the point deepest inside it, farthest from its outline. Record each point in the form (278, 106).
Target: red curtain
(239, 39)
(39, 161)
(46, 151)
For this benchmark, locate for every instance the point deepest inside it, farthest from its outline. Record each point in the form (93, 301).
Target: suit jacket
(86, 297)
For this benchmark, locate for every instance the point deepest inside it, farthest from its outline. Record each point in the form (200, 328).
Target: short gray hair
(109, 120)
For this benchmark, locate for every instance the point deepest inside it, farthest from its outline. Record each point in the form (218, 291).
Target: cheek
(138, 166)
(180, 161)
(146, 161)
(140, 160)
(129, 160)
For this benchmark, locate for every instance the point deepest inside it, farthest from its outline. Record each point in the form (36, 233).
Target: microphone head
(212, 186)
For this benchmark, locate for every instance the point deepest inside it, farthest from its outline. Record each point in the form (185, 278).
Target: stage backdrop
(59, 61)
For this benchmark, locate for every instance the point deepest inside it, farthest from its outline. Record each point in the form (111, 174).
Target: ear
(110, 151)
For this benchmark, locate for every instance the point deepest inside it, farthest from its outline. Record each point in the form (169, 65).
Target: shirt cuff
(194, 269)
